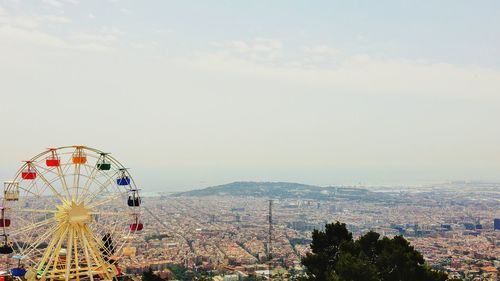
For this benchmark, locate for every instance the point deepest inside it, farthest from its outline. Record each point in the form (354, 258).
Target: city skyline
(194, 94)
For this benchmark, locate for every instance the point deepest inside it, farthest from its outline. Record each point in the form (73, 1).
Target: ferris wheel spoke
(34, 246)
(25, 235)
(105, 228)
(54, 253)
(109, 228)
(34, 186)
(48, 184)
(101, 188)
(86, 236)
(75, 250)
(104, 249)
(117, 214)
(120, 223)
(33, 226)
(60, 233)
(29, 191)
(86, 255)
(76, 182)
(90, 179)
(43, 211)
(45, 170)
(86, 192)
(56, 257)
(62, 176)
(69, 253)
(106, 200)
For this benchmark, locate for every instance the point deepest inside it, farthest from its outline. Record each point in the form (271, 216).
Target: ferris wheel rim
(108, 182)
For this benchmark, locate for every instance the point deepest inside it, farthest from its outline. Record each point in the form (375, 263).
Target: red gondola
(29, 173)
(136, 227)
(3, 221)
(53, 160)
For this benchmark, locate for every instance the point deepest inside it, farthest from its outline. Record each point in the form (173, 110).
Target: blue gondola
(124, 180)
(18, 271)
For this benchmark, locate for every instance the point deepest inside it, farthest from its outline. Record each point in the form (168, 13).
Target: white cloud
(328, 67)
(54, 3)
(126, 11)
(259, 49)
(27, 37)
(164, 30)
(30, 22)
(29, 31)
(322, 50)
(93, 37)
(363, 74)
(59, 3)
(57, 19)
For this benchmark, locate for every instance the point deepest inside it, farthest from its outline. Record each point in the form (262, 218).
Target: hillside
(282, 190)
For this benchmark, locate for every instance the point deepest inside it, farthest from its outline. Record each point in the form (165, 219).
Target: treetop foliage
(336, 256)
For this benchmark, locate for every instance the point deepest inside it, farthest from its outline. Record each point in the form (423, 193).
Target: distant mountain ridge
(280, 190)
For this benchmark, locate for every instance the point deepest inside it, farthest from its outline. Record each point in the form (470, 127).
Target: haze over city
(191, 94)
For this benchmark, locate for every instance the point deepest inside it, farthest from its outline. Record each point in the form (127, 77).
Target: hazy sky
(197, 93)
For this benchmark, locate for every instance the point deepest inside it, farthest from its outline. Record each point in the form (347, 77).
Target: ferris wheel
(70, 213)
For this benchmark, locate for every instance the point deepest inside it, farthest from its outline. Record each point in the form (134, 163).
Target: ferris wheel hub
(73, 213)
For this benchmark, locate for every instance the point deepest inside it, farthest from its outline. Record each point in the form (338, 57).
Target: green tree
(326, 246)
(337, 257)
(150, 276)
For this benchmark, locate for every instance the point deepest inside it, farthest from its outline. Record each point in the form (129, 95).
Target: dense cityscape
(454, 225)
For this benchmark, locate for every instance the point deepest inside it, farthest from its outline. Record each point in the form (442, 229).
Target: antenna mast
(270, 236)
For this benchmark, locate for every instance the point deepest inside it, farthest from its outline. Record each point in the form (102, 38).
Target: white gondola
(11, 190)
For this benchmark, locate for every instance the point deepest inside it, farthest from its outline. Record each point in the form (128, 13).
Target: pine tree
(337, 257)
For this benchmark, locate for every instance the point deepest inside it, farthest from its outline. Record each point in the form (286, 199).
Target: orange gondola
(79, 156)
